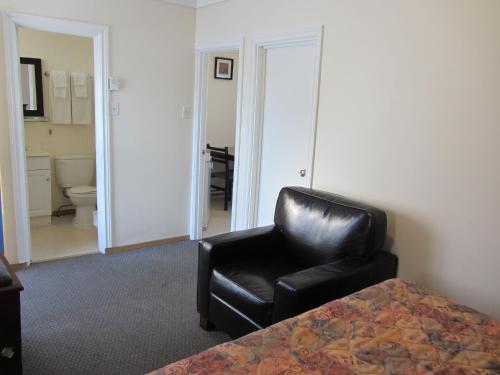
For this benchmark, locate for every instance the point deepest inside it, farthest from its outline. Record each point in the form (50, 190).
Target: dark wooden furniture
(223, 157)
(10, 320)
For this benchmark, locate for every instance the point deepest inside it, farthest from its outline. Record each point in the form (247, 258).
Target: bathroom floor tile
(61, 240)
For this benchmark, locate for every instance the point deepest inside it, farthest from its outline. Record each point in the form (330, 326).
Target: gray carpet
(119, 314)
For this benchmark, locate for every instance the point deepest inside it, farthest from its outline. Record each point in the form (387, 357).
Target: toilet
(74, 174)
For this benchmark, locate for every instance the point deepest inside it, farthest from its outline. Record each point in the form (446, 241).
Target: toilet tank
(74, 170)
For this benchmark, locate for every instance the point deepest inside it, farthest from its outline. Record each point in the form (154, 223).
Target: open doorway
(216, 137)
(222, 94)
(94, 92)
(59, 136)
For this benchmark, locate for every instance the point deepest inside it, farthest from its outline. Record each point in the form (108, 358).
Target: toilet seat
(82, 191)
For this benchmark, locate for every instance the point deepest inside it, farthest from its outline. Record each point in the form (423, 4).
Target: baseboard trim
(125, 248)
(19, 266)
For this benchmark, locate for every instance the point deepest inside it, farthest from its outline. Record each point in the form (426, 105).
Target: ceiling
(194, 3)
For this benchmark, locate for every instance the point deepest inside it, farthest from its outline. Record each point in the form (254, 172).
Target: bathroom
(58, 96)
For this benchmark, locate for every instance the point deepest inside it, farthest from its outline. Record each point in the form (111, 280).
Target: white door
(288, 123)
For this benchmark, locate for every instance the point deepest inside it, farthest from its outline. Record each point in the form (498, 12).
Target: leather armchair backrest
(320, 227)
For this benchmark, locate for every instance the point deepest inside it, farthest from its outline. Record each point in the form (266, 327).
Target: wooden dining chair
(221, 156)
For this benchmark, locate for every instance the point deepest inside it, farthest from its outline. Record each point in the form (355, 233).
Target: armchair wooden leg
(206, 324)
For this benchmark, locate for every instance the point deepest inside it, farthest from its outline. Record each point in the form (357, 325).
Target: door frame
(314, 37)
(202, 51)
(99, 34)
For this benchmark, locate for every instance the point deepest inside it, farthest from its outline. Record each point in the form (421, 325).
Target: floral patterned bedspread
(390, 328)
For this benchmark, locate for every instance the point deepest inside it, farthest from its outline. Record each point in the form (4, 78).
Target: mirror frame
(39, 112)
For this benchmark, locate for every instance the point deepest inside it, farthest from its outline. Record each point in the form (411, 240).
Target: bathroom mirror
(31, 86)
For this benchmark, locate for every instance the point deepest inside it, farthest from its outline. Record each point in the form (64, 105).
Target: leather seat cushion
(249, 286)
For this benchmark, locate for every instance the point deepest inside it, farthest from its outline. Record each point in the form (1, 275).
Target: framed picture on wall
(224, 68)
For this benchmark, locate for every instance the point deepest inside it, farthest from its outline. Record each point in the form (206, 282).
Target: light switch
(115, 109)
(187, 113)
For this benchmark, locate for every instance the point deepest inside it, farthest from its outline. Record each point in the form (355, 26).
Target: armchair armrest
(313, 287)
(231, 248)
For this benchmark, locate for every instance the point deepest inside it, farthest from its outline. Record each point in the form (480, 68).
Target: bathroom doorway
(217, 118)
(59, 130)
(59, 138)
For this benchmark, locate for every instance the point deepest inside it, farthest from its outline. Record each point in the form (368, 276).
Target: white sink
(36, 161)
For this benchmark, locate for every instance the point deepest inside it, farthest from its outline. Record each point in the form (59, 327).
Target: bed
(391, 328)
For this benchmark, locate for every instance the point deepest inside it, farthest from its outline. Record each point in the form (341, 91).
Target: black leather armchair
(321, 247)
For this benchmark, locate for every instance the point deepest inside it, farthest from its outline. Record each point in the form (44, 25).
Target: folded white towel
(60, 85)
(81, 98)
(60, 78)
(80, 83)
(59, 99)
(80, 79)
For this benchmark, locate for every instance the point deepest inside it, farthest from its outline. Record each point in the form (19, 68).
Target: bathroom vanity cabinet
(39, 188)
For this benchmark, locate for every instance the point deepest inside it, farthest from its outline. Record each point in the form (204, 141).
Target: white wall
(58, 52)
(221, 104)
(409, 120)
(151, 50)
